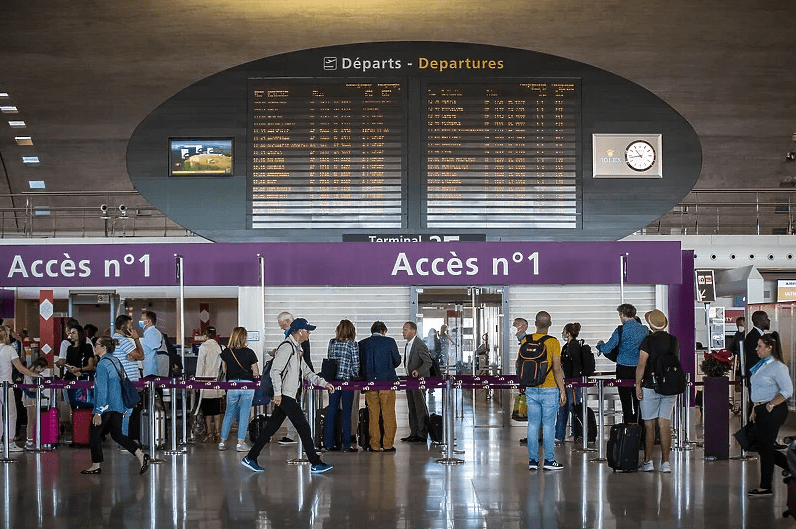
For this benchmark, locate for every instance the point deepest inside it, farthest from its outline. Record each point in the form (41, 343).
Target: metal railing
(730, 212)
(83, 214)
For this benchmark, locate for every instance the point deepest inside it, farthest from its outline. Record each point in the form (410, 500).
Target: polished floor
(208, 489)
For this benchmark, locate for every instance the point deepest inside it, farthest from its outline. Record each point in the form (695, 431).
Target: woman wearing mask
(207, 365)
(109, 407)
(771, 387)
(345, 350)
(239, 363)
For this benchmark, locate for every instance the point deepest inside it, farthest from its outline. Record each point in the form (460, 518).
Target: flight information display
(327, 155)
(501, 155)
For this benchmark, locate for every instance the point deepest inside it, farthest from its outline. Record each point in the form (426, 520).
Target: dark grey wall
(218, 107)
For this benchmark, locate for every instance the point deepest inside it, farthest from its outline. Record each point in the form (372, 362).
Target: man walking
(544, 400)
(417, 362)
(380, 357)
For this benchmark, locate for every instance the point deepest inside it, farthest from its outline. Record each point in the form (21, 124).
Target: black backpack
(532, 364)
(668, 375)
(588, 365)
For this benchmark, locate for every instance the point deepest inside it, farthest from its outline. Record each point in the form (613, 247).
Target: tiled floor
(493, 488)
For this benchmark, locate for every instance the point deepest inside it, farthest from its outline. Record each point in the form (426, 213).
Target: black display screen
(327, 155)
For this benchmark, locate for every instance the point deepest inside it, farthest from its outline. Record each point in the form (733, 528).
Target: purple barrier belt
(403, 383)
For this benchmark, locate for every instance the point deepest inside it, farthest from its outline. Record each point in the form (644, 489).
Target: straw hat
(656, 319)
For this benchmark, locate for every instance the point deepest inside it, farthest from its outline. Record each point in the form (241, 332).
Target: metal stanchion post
(309, 401)
(174, 450)
(584, 392)
(600, 423)
(152, 424)
(6, 426)
(443, 444)
(37, 437)
(187, 434)
(449, 459)
(677, 424)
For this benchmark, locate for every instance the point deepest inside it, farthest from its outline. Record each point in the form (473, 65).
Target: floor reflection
(208, 489)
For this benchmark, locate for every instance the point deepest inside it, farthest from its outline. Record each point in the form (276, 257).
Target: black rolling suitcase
(363, 429)
(256, 426)
(577, 422)
(320, 423)
(624, 442)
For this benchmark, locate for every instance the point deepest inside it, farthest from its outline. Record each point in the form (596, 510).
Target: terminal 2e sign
(353, 263)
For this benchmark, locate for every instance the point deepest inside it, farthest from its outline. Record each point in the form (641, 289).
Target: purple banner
(459, 263)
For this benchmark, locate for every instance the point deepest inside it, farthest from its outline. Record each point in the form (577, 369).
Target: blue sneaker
(320, 467)
(533, 465)
(251, 465)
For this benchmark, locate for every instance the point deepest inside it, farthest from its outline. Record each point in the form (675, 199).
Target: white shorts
(654, 405)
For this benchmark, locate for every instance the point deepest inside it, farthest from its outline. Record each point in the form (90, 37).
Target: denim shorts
(654, 405)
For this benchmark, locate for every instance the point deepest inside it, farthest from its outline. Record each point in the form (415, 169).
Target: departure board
(327, 154)
(501, 155)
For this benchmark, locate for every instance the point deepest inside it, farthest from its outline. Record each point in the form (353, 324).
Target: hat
(656, 319)
(298, 324)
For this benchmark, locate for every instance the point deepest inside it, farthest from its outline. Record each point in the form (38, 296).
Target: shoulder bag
(130, 396)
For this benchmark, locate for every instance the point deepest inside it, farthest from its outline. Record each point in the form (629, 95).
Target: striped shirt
(126, 346)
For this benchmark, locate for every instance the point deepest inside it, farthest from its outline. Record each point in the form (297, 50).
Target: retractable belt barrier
(448, 382)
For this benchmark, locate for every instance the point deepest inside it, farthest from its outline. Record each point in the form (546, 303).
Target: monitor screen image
(200, 157)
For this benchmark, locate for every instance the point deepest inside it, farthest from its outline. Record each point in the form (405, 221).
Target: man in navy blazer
(417, 362)
(378, 358)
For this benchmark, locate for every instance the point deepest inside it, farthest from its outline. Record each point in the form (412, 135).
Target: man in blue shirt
(629, 339)
(150, 343)
(379, 358)
(129, 351)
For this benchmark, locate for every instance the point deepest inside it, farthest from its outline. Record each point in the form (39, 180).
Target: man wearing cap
(654, 406)
(284, 320)
(287, 372)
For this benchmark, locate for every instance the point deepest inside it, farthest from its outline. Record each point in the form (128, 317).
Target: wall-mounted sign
(627, 155)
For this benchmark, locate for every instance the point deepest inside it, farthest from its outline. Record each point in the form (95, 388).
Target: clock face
(640, 155)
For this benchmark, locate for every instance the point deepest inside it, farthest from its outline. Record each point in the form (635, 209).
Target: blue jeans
(239, 404)
(563, 415)
(542, 410)
(331, 416)
(126, 422)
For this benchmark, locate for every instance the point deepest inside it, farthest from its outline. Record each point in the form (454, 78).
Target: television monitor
(786, 290)
(201, 157)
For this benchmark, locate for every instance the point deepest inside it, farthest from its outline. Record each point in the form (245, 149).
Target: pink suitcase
(49, 427)
(81, 423)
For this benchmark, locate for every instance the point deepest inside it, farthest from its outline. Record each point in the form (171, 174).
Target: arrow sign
(705, 286)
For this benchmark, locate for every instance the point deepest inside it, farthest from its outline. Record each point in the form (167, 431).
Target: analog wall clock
(639, 155)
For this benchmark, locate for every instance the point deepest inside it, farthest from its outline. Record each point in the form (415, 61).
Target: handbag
(520, 412)
(329, 369)
(130, 396)
(747, 437)
(613, 354)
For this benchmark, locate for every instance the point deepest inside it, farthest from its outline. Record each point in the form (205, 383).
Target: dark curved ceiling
(83, 74)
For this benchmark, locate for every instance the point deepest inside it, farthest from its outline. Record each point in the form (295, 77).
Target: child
(29, 400)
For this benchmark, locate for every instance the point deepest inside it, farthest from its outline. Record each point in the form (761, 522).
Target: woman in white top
(8, 360)
(771, 387)
(207, 365)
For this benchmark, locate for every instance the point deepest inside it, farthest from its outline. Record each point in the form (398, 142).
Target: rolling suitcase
(624, 442)
(577, 422)
(81, 423)
(320, 423)
(160, 428)
(49, 428)
(256, 426)
(363, 429)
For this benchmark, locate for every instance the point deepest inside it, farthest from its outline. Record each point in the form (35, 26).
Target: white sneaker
(666, 468)
(222, 446)
(243, 447)
(14, 447)
(646, 467)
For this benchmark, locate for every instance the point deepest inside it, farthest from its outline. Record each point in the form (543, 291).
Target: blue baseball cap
(298, 324)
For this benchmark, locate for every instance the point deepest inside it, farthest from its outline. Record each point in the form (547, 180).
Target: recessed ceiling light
(8, 109)
(30, 159)
(3, 95)
(23, 140)
(39, 211)
(17, 124)
(36, 184)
